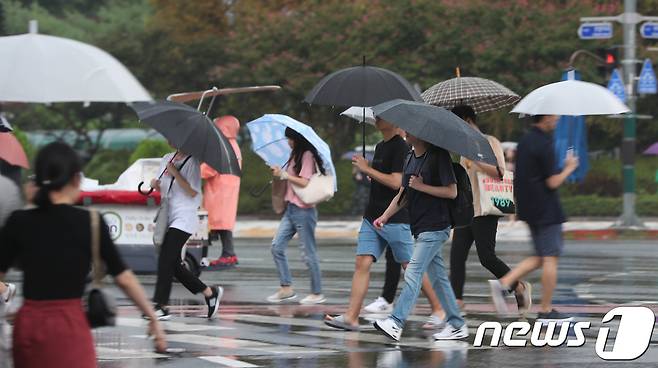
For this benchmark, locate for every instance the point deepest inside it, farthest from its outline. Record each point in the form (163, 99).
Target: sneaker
(9, 294)
(213, 301)
(380, 305)
(204, 262)
(389, 328)
(434, 322)
(498, 294)
(222, 262)
(234, 260)
(161, 313)
(524, 299)
(553, 316)
(452, 333)
(313, 299)
(281, 296)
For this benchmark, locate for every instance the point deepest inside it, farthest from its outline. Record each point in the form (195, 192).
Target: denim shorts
(373, 242)
(547, 240)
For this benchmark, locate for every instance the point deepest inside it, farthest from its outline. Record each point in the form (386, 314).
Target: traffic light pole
(629, 19)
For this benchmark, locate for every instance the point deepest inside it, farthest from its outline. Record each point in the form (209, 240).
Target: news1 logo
(631, 342)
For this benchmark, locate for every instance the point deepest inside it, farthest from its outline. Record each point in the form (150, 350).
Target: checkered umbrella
(479, 93)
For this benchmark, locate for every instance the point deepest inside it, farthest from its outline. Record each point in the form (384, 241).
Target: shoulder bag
(496, 195)
(100, 305)
(320, 188)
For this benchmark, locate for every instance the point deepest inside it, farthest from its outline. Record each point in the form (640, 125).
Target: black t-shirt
(536, 203)
(53, 247)
(427, 212)
(389, 158)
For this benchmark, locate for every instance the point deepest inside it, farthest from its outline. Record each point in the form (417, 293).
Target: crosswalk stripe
(170, 326)
(227, 362)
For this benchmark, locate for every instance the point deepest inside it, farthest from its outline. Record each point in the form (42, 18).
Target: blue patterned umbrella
(270, 143)
(571, 133)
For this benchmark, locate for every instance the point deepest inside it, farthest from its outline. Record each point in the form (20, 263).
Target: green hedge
(593, 206)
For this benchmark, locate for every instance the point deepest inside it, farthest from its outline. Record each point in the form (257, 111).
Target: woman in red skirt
(52, 245)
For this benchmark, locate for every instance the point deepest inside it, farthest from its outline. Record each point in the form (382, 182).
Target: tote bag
(320, 188)
(496, 196)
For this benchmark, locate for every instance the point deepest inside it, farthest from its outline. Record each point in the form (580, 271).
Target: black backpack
(461, 208)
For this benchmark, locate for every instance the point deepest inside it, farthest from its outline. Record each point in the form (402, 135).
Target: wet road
(593, 278)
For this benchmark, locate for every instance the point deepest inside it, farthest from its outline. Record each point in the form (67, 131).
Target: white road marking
(227, 362)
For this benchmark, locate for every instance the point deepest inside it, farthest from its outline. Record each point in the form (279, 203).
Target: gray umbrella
(190, 131)
(437, 126)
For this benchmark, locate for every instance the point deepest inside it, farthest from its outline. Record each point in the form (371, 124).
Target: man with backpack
(429, 185)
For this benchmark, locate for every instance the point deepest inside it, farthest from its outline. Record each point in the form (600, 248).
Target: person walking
(536, 181)
(299, 217)
(483, 228)
(181, 183)
(220, 198)
(428, 183)
(386, 176)
(52, 245)
(10, 201)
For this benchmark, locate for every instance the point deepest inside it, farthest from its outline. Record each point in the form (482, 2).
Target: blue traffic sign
(647, 82)
(616, 86)
(649, 30)
(595, 31)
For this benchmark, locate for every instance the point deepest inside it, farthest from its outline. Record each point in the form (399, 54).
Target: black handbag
(100, 306)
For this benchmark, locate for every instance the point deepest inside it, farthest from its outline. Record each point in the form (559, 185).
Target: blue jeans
(428, 258)
(300, 221)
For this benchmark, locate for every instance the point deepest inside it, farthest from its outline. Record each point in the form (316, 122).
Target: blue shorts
(547, 240)
(373, 242)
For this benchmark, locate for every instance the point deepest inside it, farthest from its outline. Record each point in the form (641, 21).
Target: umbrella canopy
(652, 150)
(439, 127)
(479, 93)
(356, 113)
(190, 131)
(12, 151)
(361, 86)
(44, 69)
(571, 97)
(270, 143)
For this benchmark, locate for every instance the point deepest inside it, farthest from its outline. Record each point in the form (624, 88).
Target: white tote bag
(496, 196)
(320, 188)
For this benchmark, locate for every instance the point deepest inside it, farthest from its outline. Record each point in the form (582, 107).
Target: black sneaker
(553, 316)
(213, 301)
(161, 313)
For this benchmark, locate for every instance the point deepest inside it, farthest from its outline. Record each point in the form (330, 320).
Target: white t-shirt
(183, 209)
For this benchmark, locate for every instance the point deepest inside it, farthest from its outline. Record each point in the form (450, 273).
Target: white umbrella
(44, 69)
(356, 113)
(571, 97)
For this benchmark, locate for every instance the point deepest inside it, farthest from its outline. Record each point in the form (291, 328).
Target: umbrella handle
(139, 189)
(259, 192)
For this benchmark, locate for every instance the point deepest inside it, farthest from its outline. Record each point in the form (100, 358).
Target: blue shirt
(536, 203)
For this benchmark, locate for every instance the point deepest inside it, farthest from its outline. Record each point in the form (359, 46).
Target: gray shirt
(10, 199)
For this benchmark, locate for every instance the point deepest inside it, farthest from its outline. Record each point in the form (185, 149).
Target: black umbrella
(437, 126)
(190, 131)
(361, 86)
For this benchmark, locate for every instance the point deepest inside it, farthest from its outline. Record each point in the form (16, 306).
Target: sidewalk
(507, 231)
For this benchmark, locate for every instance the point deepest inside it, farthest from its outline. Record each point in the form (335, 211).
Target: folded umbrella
(571, 97)
(437, 126)
(270, 143)
(12, 151)
(191, 132)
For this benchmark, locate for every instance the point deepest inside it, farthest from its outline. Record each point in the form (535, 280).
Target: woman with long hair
(181, 185)
(52, 244)
(299, 217)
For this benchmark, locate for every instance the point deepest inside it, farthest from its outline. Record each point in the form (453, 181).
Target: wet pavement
(593, 279)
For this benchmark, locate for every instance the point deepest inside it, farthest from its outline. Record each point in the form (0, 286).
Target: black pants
(483, 232)
(392, 278)
(226, 237)
(170, 265)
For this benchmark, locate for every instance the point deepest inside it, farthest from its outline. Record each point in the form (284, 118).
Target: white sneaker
(451, 333)
(313, 299)
(434, 322)
(389, 328)
(380, 305)
(498, 294)
(204, 262)
(280, 296)
(9, 294)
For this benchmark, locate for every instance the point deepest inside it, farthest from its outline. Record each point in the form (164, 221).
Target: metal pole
(628, 217)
